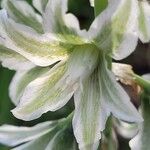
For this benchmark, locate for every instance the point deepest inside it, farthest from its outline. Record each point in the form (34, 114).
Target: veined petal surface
(22, 12)
(96, 98)
(90, 114)
(114, 33)
(40, 5)
(12, 135)
(116, 99)
(54, 89)
(22, 79)
(57, 20)
(13, 60)
(43, 50)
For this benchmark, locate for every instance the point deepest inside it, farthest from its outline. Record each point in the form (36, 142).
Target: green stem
(145, 84)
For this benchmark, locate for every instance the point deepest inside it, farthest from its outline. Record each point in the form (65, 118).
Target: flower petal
(114, 33)
(64, 140)
(43, 50)
(57, 21)
(92, 3)
(115, 97)
(54, 89)
(12, 136)
(38, 144)
(142, 141)
(90, 114)
(144, 21)
(13, 60)
(22, 79)
(23, 13)
(40, 5)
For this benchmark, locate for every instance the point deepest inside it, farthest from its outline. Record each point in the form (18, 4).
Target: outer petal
(115, 97)
(144, 21)
(13, 60)
(114, 33)
(43, 50)
(90, 114)
(142, 141)
(40, 5)
(12, 136)
(22, 79)
(38, 144)
(23, 13)
(64, 140)
(57, 21)
(54, 89)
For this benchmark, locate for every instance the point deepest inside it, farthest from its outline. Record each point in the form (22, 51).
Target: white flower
(49, 135)
(55, 60)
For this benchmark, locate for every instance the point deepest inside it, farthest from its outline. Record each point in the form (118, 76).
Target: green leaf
(22, 12)
(99, 6)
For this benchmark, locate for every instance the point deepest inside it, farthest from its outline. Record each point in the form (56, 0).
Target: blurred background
(140, 60)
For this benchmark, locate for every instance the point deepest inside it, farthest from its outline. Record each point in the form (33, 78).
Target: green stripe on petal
(114, 33)
(116, 99)
(22, 12)
(22, 79)
(13, 60)
(144, 21)
(64, 140)
(54, 89)
(12, 135)
(40, 5)
(43, 50)
(56, 19)
(142, 141)
(90, 114)
(38, 144)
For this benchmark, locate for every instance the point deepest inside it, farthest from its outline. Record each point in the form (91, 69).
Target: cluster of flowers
(54, 60)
